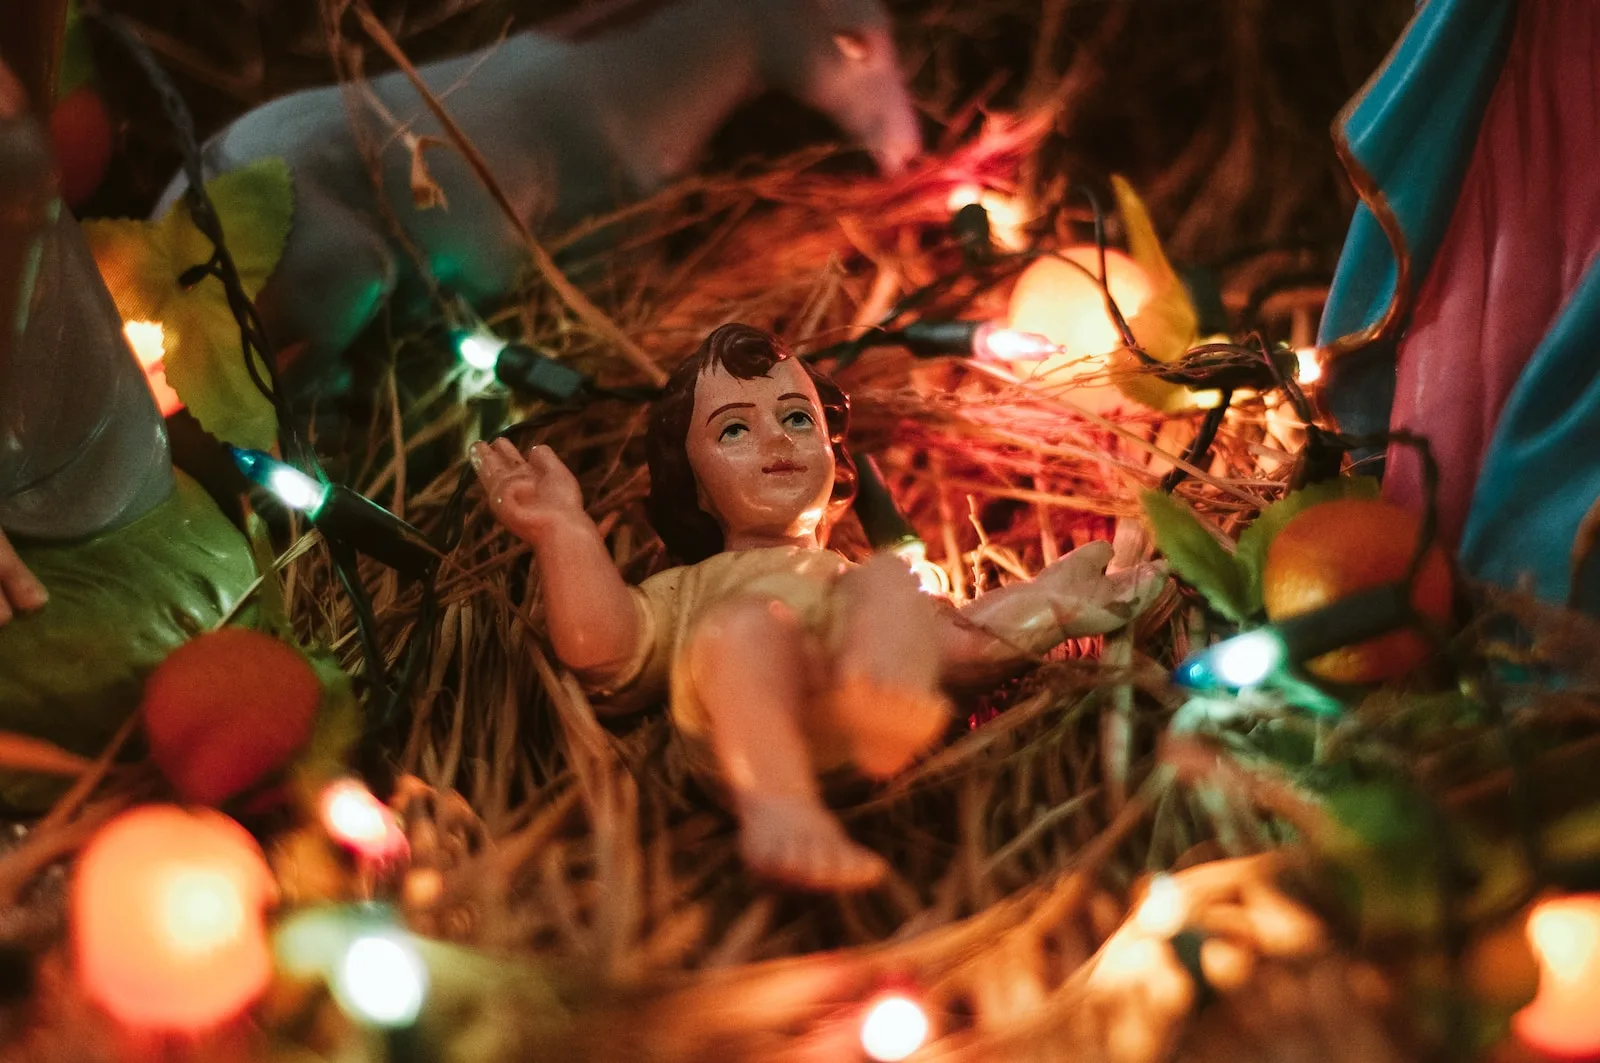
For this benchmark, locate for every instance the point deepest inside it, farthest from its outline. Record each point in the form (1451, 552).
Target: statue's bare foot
(794, 840)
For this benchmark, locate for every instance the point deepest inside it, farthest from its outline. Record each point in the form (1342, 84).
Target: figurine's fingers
(544, 459)
(1090, 557)
(1081, 568)
(19, 588)
(1139, 586)
(487, 462)
(506, 449)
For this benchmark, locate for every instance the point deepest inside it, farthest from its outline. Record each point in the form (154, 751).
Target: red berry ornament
(80, 132)
(226, 709)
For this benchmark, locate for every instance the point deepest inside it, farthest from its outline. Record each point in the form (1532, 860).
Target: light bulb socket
(934, 338)
(973, 231)
(358, 522)
(529, 372)
(886, 527)
(1354, 618)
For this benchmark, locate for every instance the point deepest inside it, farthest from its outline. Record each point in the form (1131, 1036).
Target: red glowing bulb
(167, 920)
(356, 819)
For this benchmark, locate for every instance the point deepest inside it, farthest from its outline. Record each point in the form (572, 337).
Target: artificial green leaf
(271, 610)
(1255, 540)
(1380, 841)
(335, 732)
(141, 262)
(77, 63)
(1196, 556)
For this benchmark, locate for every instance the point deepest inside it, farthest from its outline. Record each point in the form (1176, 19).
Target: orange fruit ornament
(227, 708)
(1335, 549)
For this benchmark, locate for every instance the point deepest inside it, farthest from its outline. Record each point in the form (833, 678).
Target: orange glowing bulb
(149, 345)
(1058, 300)
(1309, 369)
(1564, 1018)
(1007, 219)
(167, 920)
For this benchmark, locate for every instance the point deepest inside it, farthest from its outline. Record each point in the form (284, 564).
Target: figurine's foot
(889, 726)
(796, 841)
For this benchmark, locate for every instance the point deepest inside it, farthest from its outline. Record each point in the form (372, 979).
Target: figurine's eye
(853, 46)
(799, 419)
(730, 431)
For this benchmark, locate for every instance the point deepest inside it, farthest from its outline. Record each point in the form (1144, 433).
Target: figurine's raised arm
(589, 611)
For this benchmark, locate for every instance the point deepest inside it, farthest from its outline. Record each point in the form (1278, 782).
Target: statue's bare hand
(529, 495)
(1088, 600)
(20, 590)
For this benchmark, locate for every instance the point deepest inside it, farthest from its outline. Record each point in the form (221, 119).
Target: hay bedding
(588, 900)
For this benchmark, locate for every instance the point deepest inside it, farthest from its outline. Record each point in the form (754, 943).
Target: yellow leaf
(1167, 325)
(142, 261)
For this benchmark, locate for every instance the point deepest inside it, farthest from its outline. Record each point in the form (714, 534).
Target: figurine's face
(760, 452)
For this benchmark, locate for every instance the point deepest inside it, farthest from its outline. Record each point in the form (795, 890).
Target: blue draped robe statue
(1466, 306)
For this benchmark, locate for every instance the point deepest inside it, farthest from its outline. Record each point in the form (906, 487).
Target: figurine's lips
(781, 467)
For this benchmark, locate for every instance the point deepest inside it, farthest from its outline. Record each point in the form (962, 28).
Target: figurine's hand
(529, 495)
(20, 591)
(1085, 599)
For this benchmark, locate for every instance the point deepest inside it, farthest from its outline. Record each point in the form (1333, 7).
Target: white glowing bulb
(201, 911)
(931, 579)
(996, 343)
(1164, 909)
(295, 489)
(895, 1027)
(1310, 366)
(1245, 660)
(480, 349)
(381, 980)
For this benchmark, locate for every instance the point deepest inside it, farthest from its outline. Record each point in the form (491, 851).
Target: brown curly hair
(745, 352)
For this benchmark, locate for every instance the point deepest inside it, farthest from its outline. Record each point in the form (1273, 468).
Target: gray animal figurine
(569, 129)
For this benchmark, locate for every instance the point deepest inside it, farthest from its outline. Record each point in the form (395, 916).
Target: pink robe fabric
(1524, 229)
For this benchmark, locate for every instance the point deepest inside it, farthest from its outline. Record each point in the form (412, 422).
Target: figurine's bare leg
(886, 697)
(747, 660)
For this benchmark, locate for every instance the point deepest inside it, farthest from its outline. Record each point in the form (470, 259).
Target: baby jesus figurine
(780, 661)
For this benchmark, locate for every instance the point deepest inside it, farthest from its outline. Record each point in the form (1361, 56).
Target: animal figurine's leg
(748, 661)
(336, 273)
(886, 698)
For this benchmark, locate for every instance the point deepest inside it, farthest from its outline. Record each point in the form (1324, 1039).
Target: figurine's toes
(798, 843)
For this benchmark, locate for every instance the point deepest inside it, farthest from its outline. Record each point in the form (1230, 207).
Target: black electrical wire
(256, 347)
